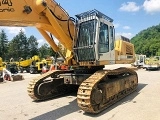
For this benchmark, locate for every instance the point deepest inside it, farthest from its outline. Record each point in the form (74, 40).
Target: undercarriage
(96, 91)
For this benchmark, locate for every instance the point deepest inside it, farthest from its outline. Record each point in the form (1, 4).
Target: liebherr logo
(6, 6)
(7, 2)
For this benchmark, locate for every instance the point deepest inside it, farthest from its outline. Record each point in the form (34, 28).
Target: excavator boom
(47, 16)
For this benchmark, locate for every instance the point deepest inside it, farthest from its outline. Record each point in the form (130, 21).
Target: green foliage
(51, 52)
(22, 47)
(44, 51)
(148, 41)
(33, 45)
(18, 46)
(3, 44)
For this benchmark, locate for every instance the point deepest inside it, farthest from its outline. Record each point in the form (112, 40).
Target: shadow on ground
(72, 107)
(60, 112)
(127, 99)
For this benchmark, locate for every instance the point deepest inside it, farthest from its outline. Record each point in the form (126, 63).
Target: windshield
(85, 43)
(86, 34)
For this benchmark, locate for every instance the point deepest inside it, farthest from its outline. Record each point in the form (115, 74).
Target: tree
(14, 48)
(3, 44)
(23, 45)
(18, 46)
(148, 41)
(33, 46)
(51, 52)
(44, 51)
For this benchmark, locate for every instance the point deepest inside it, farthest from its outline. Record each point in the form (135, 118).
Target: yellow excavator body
(2, 64)
(90, 43)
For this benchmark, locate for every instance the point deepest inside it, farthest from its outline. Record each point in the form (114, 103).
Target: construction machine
(37, 66)
(25, 64)
(90, 43)
(2, 66)
(12, 67)
(152, 63)
(7, 71)
(139, 61)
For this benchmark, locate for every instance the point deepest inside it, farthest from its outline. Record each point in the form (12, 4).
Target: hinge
(27, 9)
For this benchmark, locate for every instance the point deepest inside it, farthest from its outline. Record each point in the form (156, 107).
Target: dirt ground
(143, 104)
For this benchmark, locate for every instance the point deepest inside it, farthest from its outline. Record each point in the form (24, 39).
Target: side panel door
(106, 44)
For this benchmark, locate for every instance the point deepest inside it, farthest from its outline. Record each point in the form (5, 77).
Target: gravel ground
(143, 104)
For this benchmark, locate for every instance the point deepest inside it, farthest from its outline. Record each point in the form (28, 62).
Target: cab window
(112, 37)
(103, 39)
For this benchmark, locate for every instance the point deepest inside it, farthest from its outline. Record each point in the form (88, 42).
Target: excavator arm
(46, 15)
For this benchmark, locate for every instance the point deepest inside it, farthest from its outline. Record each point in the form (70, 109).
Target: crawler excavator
(90, 43)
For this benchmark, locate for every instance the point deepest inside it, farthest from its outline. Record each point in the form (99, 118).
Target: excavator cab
(95, 42)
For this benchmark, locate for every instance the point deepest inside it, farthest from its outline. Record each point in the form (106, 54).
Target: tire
(21, 70)
(32, 70)
(27, 70)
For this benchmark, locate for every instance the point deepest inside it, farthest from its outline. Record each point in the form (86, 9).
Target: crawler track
(104, 88)
(42, 88)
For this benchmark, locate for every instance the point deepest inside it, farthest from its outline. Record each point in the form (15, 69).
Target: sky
(130, 17)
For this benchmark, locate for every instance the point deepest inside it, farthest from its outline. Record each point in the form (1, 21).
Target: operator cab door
(85, 46)
(105, 47)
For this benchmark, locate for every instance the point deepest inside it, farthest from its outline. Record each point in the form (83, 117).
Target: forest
(22, 47)
(147, 41)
